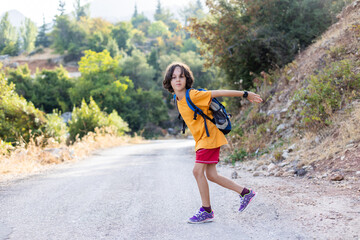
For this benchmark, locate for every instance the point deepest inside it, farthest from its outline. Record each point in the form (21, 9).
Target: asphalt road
(142, 191)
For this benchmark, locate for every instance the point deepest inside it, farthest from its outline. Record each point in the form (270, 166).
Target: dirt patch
(346, 164)
(46, 60)
(35, 65)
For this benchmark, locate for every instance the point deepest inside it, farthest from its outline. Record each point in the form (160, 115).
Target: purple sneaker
(202, 216)
(244, 201)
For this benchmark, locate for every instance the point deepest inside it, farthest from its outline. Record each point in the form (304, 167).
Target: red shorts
(207, 156)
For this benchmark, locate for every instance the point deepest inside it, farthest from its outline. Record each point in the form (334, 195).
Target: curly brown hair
(184, 70)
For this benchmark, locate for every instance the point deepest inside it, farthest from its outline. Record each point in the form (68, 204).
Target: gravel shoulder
(324, 210)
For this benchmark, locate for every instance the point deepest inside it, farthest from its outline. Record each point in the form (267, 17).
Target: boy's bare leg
(199, 174)
(212, 175)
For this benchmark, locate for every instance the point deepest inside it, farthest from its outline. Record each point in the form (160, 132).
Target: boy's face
(178, 80)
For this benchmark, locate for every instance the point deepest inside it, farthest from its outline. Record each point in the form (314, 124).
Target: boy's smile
(178, 81)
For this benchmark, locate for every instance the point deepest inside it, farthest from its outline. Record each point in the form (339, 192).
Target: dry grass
(31, 157)
(345, 129)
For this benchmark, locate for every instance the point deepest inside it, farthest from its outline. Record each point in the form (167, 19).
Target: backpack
(221, 117)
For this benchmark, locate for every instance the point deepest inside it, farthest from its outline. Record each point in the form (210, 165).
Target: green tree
(101, 78)
(61, 34)
(162, 14)
(137, 20)
(158, 10)
(135, 14)
(47, 91)
(97, 32)
(7, 32)
(21, 77)
(81, 11)
(145, 107)
(138, 38)
(42, 38)
(191, 44)
(141, 22)
(96, 42)
(51, 90)
(61, 7)
(174, 26)
(138, 70)
(153, 60)
(69, 37)
(158, 29)
(245, 37)
(28, 34)
(12, 48)
(19, 119)
(122, 34)
(112, 47)
(192, 11)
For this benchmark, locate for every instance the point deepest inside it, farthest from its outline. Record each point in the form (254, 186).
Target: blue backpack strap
(197, 110)
(188, 100)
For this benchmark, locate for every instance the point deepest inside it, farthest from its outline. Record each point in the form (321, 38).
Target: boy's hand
(253, 97)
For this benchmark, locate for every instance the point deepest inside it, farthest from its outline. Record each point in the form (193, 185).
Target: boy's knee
(211, 177)
(198, 172)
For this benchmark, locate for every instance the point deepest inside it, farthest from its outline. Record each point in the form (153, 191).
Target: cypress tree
(61, 7)
(42, 38)
(135, 12)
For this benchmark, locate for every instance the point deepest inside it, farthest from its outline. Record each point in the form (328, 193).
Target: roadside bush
(117, 123)
(89, 117)
(56, 127)
(85, 119)
(237, 155)
(19, 119)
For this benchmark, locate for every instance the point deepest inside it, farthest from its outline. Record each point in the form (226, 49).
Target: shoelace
(198, 214)
(242, 199)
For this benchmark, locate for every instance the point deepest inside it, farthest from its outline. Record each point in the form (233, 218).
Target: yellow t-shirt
(202, 100)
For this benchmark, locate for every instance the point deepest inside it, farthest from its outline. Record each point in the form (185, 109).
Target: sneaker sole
(205, 221)
(249, 202)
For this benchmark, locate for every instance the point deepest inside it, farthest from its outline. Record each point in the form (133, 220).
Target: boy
(178, 79)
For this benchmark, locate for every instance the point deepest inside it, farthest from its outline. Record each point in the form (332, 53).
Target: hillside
(326, 150)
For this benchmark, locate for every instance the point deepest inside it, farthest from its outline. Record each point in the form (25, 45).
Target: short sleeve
(200, 98)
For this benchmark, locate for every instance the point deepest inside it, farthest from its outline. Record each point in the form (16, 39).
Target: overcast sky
(36, 9)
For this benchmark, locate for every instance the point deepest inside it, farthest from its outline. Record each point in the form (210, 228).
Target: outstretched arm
(252, 97)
